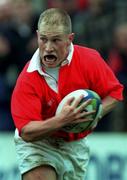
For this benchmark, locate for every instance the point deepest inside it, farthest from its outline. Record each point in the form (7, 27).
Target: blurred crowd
(98, 24)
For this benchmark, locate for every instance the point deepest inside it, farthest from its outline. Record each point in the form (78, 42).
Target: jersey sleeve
(25, 105)
(102, 79)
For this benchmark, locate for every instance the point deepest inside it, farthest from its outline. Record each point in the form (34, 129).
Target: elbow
(26, 136)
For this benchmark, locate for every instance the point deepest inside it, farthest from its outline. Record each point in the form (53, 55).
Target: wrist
(100, 113)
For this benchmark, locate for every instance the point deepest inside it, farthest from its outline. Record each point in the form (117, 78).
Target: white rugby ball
(94, 105)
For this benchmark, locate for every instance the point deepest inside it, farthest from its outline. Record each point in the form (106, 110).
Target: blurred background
(98, 24)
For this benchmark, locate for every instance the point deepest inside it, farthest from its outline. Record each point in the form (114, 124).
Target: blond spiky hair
(57, 17)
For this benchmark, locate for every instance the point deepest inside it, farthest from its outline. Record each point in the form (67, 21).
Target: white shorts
(69, 159)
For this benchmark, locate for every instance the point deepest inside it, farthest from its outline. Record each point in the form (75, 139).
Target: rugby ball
(94, 105)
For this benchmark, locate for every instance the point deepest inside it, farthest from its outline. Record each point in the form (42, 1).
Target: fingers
(81, 112)
(83, 105)
(80, 108)
(98, 117)
(74, 102)
(82, 120)
(75, 110)
(77, 101)
(87, 113)
(69, 101)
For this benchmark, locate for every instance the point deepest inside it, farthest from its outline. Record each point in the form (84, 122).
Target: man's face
(53, 45)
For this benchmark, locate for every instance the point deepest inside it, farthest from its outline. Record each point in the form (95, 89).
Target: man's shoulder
(86, 52)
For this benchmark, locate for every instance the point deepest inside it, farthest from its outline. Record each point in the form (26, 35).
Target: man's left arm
(108, 104)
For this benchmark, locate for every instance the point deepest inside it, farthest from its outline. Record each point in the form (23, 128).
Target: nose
(49, 46)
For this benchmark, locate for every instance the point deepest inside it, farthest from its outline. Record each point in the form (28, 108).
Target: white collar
(35, 64)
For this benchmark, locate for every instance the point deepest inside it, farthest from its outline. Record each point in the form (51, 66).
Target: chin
(51, 65)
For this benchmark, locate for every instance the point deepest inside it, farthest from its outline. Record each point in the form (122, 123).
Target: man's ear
(38, 34)
(71, 37)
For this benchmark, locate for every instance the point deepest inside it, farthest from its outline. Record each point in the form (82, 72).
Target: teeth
(50, 59)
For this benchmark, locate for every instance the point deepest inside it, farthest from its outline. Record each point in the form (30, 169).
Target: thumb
(97, 118)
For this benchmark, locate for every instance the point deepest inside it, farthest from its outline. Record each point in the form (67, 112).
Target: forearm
(108, 104)
(36, 130)
(69, 114)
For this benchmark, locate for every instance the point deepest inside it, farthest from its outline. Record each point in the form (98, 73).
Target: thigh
(44, 172)
(76, 160)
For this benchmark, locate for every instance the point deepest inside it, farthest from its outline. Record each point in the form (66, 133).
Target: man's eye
(43, 39)
(57, 40)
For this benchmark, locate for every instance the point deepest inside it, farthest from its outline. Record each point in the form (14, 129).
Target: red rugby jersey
(34, 100)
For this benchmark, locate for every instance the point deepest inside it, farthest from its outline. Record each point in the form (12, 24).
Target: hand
(97, 118)
(73, 113)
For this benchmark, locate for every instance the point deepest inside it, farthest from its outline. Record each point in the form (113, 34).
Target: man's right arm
(70, 113)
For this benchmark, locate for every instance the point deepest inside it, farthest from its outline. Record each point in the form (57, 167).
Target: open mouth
(50, 58)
